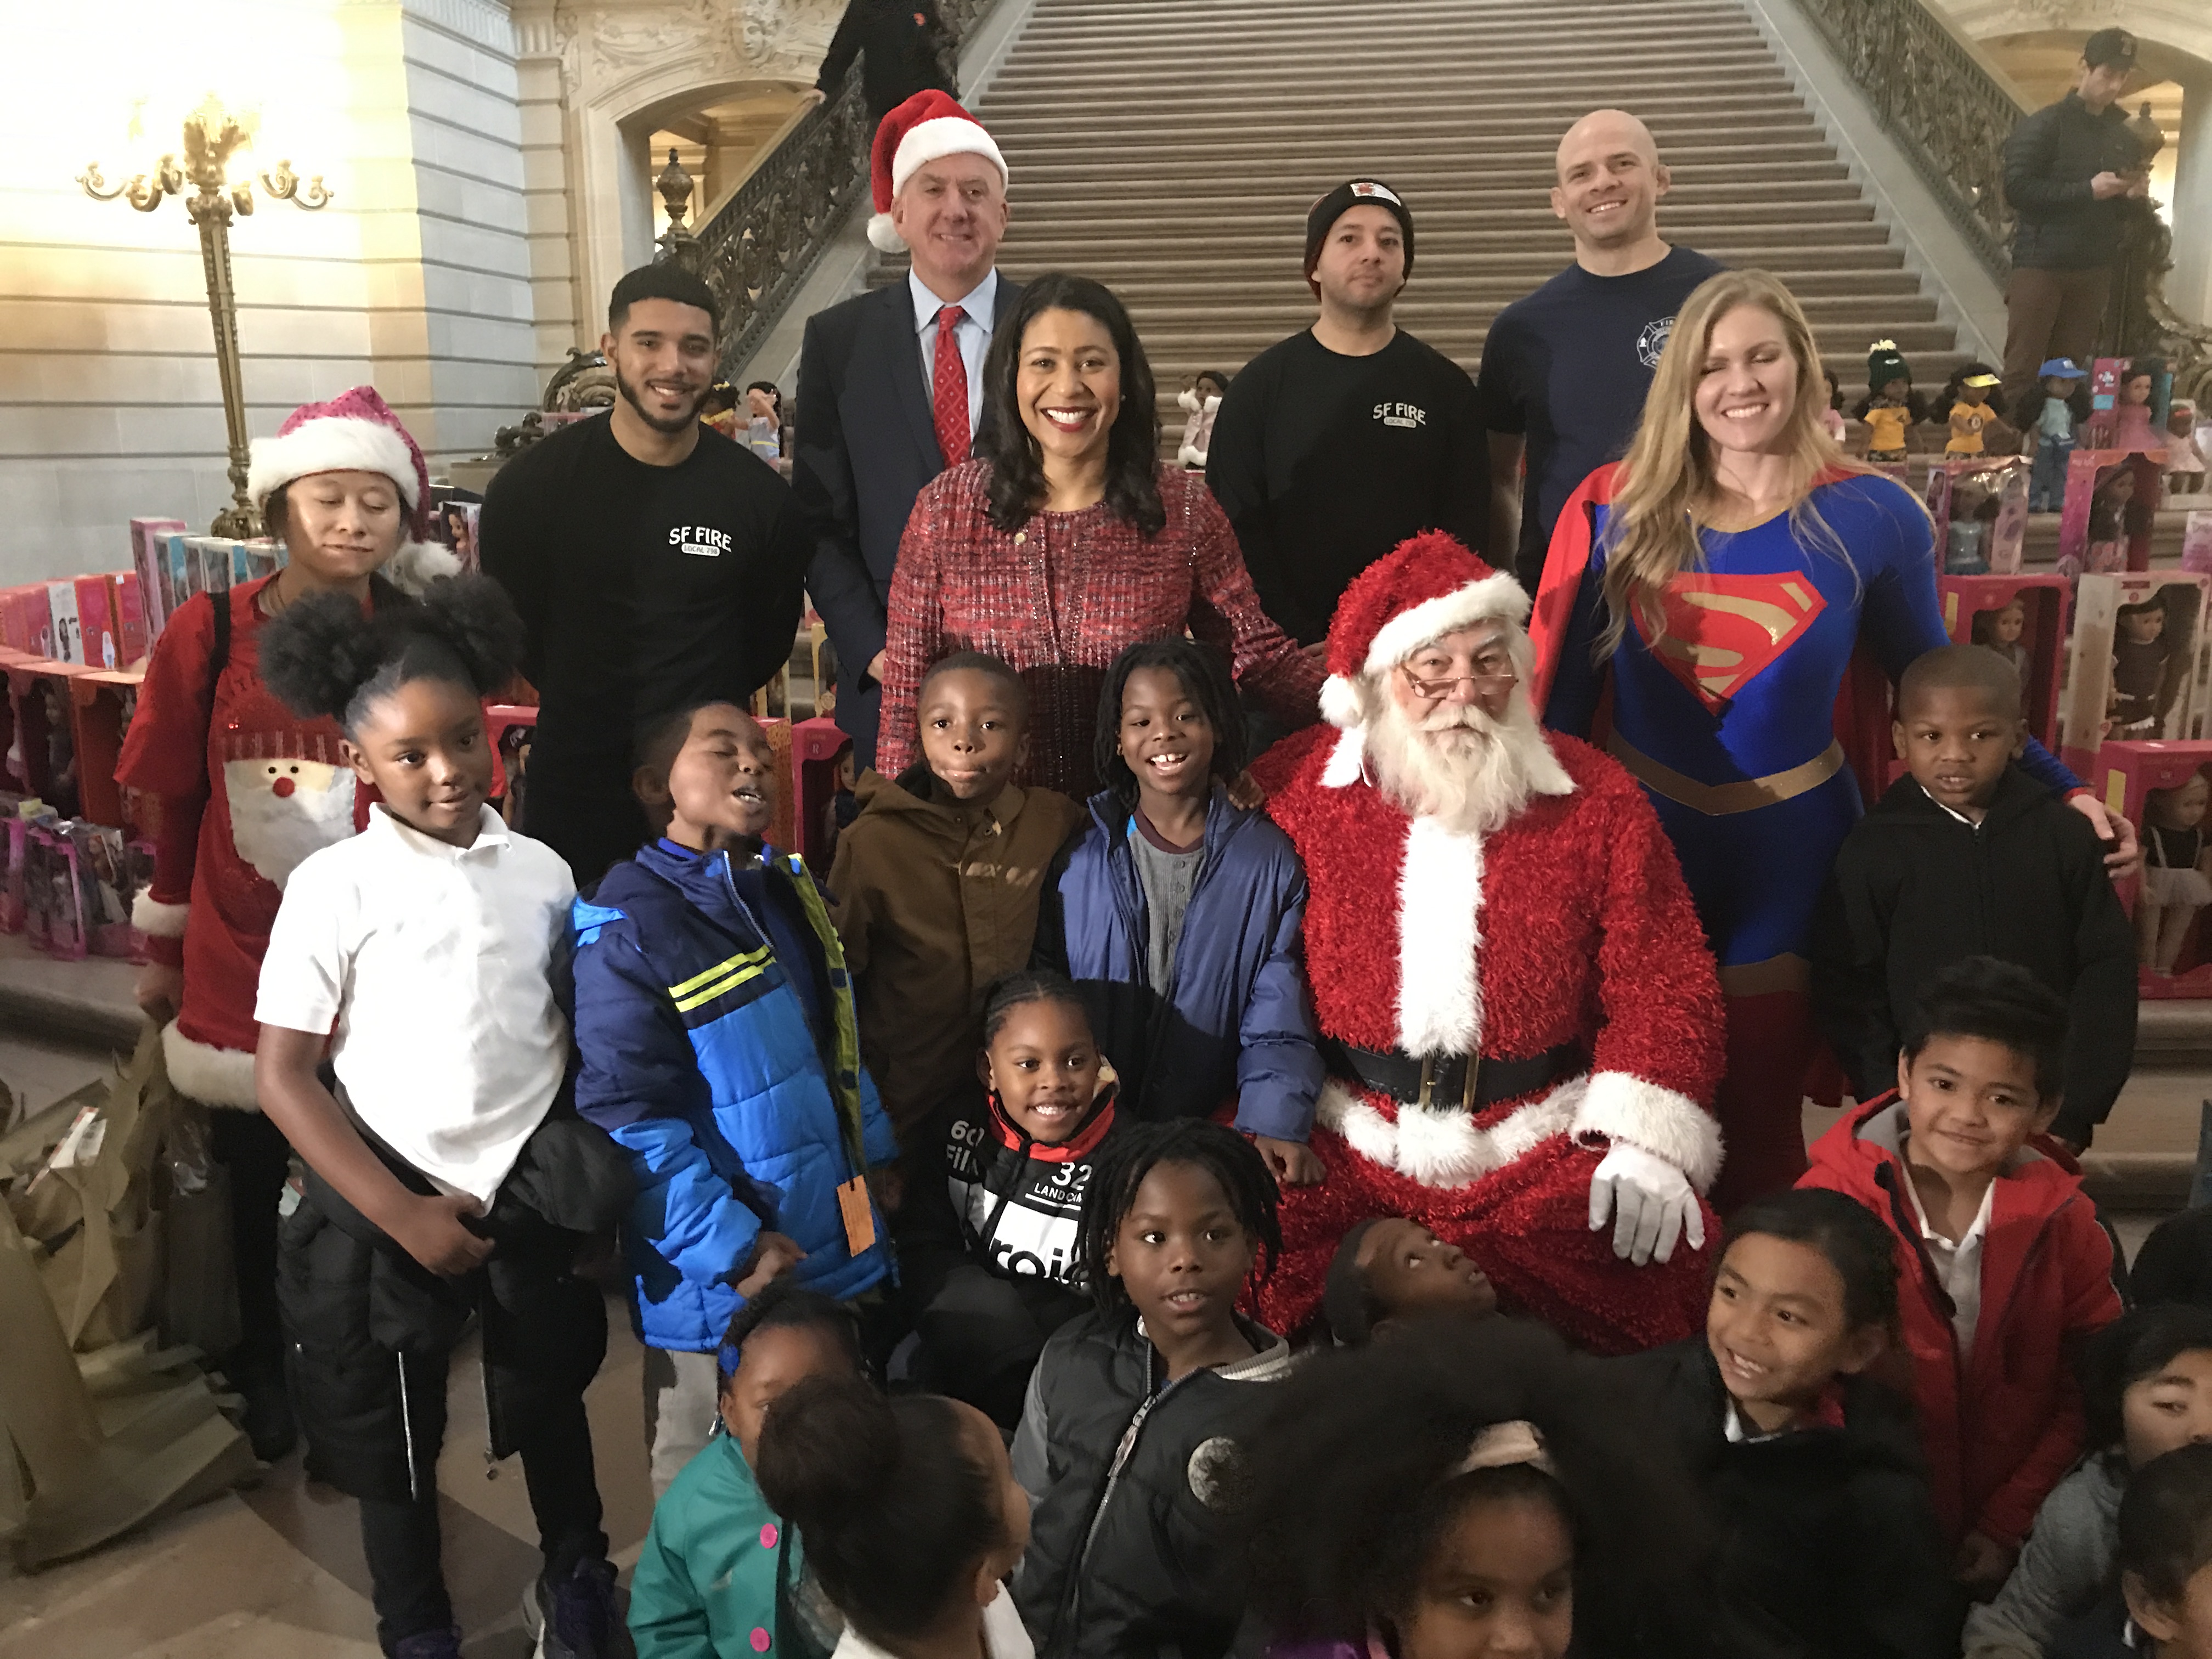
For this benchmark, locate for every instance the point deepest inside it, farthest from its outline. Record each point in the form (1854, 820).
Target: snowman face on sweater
(281, 811)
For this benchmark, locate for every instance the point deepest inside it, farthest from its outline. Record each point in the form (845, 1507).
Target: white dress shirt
(432, 966)
(1957, 1267)
(974, 334)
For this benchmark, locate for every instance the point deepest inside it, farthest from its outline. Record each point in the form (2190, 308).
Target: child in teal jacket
(720, 1575)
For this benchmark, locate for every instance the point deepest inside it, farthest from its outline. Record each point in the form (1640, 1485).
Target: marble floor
(275, 1572)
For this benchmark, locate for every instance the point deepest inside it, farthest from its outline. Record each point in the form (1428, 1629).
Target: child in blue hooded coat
(1177, 913)
(717, 1043)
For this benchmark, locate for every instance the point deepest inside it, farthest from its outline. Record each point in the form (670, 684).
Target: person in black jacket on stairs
(1828, 1544)
(1970, 856)
(904, 47)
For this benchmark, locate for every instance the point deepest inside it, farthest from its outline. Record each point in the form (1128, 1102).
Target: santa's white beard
(1459, 765)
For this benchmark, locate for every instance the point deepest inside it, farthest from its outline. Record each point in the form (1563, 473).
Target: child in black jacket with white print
(988, 1235)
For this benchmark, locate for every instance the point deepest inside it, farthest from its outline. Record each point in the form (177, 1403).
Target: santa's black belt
(1472, 1082)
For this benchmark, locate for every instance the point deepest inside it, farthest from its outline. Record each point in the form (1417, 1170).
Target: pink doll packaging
(2136, 664)
(2112, 502)
(2164, 789)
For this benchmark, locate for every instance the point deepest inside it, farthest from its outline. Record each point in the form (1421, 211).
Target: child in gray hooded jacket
(2146, 1389)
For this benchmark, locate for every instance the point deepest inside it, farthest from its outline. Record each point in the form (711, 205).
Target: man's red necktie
(949, 380)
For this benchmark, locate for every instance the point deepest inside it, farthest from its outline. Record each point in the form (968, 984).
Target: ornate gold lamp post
(212, 135)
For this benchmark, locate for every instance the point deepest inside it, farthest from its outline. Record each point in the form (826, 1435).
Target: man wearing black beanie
(1339, 442)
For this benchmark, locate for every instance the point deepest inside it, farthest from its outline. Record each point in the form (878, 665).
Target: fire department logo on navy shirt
(1653, 341)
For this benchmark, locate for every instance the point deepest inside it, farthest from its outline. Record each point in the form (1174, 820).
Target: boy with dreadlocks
(1130, 1431)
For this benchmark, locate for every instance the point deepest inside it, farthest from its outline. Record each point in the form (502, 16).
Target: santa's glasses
(1496, 676)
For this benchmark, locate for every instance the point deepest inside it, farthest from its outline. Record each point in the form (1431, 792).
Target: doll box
(1974, 613)
(2117, 686)
(1979, 504)
(149, 558)
(2111, 506)
(2126, 775)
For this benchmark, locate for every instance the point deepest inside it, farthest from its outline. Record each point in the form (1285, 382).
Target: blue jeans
(2046, 483)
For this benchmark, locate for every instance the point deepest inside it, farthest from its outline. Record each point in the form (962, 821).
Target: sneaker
(268, 1420)
(578, 1617)
(430, 1645)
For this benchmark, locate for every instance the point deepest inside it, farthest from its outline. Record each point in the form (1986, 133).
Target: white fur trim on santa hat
(883, 235)
(937, 137)
(1443, 1146)
(158, 921)
(338, 443)
(213, 1076)
(418, 564)
(1342, 704)
(1496, 596)
(1439, 940)
(1623, 1107)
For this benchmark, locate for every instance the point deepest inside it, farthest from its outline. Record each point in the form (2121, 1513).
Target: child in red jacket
(2004, 1268)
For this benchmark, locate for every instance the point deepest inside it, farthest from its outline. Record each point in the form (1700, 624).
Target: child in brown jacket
(936, 884)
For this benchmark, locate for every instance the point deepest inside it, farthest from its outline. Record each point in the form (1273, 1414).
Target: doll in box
(2142, 651)
(2184, 460)
(1891, 407)
(2003, 631)
(1973, 513)
(1971, 413)
(61, 749)
(2109, 522)
(2051, 419)
(2177, 877)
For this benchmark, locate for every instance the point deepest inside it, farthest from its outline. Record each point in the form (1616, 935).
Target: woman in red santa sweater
(1523, 1023)
(244, 791)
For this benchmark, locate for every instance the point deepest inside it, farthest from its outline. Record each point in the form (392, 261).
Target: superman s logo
(1722, 631)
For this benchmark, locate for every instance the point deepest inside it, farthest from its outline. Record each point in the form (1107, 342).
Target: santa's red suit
(1567, 933)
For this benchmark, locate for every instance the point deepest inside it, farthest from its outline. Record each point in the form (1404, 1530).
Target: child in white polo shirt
(447, 1171)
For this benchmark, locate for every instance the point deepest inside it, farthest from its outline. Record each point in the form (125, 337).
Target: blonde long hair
(1668, 483)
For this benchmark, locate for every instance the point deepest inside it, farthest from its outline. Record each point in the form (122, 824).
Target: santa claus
(1522, 1022)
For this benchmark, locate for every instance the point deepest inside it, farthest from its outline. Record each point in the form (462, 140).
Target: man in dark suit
(890, 383)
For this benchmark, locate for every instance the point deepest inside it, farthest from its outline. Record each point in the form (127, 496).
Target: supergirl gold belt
(1720, 800)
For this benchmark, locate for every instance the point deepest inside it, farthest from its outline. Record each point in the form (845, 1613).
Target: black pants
(981, 1336)
(401, 1538)
(593, 823)
(257, 1157)
(371, 1335)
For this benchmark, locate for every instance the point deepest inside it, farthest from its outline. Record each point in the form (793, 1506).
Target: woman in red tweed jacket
(1066, 539)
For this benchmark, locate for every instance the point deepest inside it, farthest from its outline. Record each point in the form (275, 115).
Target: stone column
(2189, 284)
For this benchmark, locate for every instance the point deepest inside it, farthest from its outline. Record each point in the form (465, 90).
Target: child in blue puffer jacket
(715, 1033)
(1177, 914)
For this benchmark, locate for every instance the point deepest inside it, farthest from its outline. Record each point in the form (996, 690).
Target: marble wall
(418, 278)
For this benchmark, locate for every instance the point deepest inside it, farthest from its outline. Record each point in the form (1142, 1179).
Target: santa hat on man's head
(1418, 592)
(929, 127)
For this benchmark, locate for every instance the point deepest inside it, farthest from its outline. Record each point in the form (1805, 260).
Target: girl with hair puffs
(441, 1181)
(1471, 1488)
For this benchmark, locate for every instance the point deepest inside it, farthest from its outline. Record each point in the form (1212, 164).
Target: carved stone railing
(1947, 112)
(759, 246)
(1951, 116)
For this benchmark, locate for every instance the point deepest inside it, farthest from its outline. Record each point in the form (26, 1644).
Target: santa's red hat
(1418, 592)
(354, 432)
(929, 127)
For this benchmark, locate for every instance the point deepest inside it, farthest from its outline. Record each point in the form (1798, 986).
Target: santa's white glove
(1651, 1202)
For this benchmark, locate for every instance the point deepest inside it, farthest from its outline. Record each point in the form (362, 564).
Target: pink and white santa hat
(929, 127)
(357, 432)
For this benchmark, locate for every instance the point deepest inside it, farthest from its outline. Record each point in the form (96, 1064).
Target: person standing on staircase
(1565, 369)
(890, 383)
(1337, 444)
(904, 47)
(2069, 169)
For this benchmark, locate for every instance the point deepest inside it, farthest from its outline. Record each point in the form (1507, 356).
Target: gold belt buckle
(1466, 1088)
